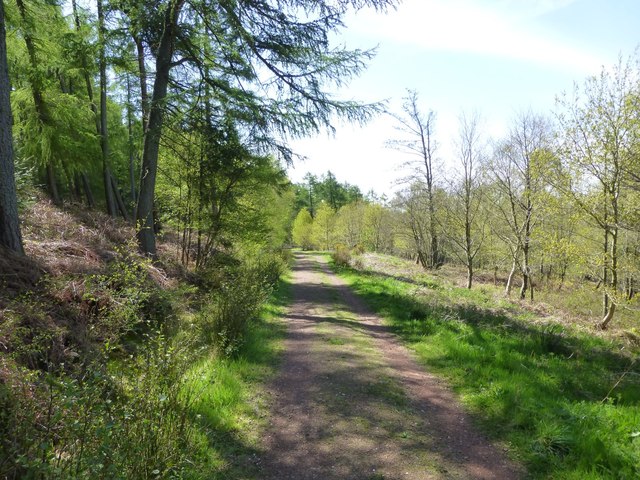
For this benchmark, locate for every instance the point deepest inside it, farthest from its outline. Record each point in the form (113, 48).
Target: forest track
(351, 402)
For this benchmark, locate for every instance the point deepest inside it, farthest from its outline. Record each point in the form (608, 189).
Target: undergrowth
(566, 403)
(137, 380)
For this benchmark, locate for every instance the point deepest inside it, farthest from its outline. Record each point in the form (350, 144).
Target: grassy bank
(230, 406)
(565, 402)
(112, 366)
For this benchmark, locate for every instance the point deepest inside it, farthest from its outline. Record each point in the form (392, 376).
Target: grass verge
(567, 404)
(231, 409)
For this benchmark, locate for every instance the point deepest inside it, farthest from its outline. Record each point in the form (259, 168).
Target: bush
(237, 301)
(341, 256)
(115, 420)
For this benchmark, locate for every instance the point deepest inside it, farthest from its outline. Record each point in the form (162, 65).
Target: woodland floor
(350, 402)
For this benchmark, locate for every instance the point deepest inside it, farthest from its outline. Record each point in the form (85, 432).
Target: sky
(494, 57)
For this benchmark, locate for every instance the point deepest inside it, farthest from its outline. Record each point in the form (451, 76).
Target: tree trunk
(10, 236)
(132, 176)
(122, 207)
(52, 184)
(87, 190)
(85, 71)
(36, 92)
(77, 187)
(604, 323)
(525, 284)
(435, 250)
(104, 133)
(142, 75)
(151, 148)
(526, 272)
(512, 274)
(468, 241)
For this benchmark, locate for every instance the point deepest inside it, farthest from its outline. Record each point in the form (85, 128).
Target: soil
(351, 402)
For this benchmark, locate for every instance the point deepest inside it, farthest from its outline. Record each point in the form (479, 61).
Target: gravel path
(351, 402)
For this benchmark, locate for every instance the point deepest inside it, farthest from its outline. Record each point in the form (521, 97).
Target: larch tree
(109, 190)
(36, 77)
(269, 62)
(10, 236)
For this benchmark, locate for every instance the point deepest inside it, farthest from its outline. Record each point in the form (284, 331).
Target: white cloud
(505, 29)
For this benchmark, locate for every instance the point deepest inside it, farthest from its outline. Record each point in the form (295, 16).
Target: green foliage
(171, 408)
(341, 256)
(216, 193)
(557, 396)
(122, 300)
(323, 223)
(326, 189)
(302, 230)
(350, 224)
(112, 419)
(237, 301)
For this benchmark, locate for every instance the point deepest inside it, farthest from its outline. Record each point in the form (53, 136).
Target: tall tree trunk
(435, 261)
(87, 190)
(122, 207)
(142, 75)
(605, 274)
(36, 92)
(151, 149)
(10, 236)
(92, 104)
(526, 271)
(85, 71)
(468, 242)
(132, 176)
(613, 283)
(104, 133)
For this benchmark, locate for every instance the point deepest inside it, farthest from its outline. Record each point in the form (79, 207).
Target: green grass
(545, 391)
(230, 409)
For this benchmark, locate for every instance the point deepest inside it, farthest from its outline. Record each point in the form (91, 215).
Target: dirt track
(351, 402)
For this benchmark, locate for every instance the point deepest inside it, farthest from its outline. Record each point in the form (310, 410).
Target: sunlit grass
(549, 392)
(230, 406)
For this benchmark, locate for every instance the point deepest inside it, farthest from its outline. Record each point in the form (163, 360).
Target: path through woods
(351, 402)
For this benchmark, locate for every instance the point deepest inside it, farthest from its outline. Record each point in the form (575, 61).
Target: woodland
(146, 226)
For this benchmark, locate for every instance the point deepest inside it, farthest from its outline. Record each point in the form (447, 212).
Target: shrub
(114, 420)
(237, 301)
(341, 256)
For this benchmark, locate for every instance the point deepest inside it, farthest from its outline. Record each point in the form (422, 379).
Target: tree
(265, 60)
(378, 227)
(323, 226)
(418, 140)
(414, 202)
(109, 189)
(350, 224)
(311, 183)
(463, 220)
(37, 87)
(302, 231)
(598, 147)
(520, 169)
(10, 236)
